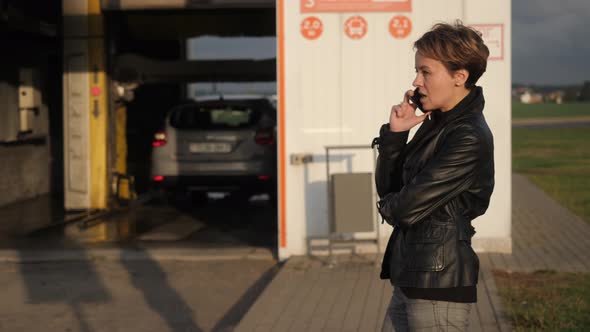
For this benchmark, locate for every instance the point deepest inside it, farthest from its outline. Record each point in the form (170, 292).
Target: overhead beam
(186, 24)
(184, 4)
(137, 69)
(15, 19)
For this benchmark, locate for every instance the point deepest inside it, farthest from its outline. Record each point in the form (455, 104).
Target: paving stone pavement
(545, 235)
(130, 295)
(174, 291)
(308, 296)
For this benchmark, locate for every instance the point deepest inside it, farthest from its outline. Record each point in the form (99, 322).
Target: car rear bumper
(251, 183)
(184, 168)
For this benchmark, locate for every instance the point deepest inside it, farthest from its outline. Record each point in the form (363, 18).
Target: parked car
(218, 144)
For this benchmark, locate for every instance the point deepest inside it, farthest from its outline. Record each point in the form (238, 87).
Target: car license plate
(209, 147)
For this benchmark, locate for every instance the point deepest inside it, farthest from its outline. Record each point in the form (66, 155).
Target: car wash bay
(126, 61)
(124, 67)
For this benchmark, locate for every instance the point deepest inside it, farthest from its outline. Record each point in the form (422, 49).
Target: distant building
(529, 97)
(531, 94)
(556, 96)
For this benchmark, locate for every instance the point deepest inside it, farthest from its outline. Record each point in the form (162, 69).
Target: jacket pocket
(425, 247)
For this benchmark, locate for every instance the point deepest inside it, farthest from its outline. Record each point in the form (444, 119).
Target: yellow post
(98, 108)
(124, 191)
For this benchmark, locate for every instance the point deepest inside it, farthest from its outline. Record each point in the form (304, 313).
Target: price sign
(400, 27)
(311, 28)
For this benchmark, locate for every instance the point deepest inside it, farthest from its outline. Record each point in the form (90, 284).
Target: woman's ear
(460, 76)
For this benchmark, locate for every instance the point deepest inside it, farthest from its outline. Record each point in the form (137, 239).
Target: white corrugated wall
(338, 91)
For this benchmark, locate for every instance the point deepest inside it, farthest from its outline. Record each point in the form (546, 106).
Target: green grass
(525, 111)
(546, 301)
(558, 161)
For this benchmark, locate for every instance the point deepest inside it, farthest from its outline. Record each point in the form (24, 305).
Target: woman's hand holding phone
(403, 116)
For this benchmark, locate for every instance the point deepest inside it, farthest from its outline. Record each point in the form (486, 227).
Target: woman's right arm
(389, 161)
(392, 140)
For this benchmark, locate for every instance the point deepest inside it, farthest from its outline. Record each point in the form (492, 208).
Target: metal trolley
(345, 218)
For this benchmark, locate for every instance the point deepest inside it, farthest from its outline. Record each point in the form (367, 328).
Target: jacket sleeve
(388, 168)
(450, 171)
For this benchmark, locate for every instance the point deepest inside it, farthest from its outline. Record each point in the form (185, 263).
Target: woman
(431, 188)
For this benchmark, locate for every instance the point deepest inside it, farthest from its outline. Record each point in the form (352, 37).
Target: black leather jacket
(431, 189)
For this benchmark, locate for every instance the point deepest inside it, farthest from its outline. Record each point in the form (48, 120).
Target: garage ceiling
(174, 24)
(184, 4)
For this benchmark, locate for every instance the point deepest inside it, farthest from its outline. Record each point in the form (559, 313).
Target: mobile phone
(416, 100)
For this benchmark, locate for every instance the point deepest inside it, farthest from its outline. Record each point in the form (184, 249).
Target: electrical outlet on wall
(301, 158)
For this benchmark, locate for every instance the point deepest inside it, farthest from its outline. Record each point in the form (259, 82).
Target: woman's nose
(417, 82)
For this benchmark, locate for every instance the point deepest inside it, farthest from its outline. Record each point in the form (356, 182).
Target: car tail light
(158, 178)
(265, 136)
(159, 138)
(263, 177)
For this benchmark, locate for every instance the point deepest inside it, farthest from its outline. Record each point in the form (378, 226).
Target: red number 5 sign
(355, 6)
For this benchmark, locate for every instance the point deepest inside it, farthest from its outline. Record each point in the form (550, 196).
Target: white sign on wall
(493, 37)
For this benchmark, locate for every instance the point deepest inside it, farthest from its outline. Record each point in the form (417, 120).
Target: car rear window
(213, 117)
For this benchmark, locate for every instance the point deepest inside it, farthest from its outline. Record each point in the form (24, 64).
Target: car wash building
(339, 67)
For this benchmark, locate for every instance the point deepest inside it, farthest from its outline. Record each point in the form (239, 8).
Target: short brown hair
(458, 47)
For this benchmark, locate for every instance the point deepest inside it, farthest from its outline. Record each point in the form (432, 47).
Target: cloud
(549, 43)
(552, 70)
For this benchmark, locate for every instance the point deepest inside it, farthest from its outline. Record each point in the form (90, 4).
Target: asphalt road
(572, 122)
(553, 125)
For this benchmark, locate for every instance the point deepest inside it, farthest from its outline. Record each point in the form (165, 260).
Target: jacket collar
(473, 103)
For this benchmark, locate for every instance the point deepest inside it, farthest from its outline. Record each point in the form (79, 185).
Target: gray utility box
(22, 112)
(352, 203)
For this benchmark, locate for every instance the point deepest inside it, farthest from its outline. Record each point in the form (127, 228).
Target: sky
(550, 43)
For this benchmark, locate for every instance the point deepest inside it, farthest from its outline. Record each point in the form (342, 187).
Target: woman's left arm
(451, 171)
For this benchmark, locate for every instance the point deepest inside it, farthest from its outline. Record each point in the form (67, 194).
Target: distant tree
(572, 94)
(585, 92)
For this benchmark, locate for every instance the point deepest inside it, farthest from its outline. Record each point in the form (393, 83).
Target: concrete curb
(124, 254)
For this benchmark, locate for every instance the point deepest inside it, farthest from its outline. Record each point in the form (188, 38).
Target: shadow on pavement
(47, 284)
(233, 316)
(163, 299)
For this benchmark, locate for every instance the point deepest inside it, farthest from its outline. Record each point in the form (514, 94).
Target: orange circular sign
(400, 27)
(355, 27)
(311, 27)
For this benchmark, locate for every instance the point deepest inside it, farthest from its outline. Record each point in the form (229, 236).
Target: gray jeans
(404, 314)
